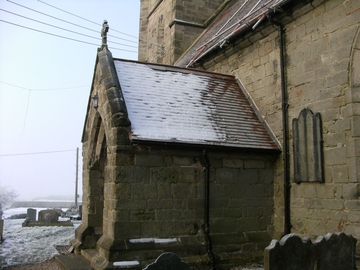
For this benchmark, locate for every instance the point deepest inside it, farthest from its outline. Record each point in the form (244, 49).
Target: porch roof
(177, 105)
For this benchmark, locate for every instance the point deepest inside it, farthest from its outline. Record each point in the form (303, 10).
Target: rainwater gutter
(207, 209)
(285, 105)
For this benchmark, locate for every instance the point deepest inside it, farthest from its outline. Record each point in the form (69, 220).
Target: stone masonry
(142, 200)
(322, 67)
(168, 28)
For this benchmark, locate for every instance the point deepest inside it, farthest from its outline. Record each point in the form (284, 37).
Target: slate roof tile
(172, 104)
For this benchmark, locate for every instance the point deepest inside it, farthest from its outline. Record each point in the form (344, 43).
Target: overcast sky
(45, 83)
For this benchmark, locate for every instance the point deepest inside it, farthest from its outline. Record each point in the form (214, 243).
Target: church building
(239, 123)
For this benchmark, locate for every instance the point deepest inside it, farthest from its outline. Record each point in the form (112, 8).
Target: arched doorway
(95, 161)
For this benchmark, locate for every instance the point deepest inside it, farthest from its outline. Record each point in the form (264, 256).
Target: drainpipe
(285, 105)
(207, 209)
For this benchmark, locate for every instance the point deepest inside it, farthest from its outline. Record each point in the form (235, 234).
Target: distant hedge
(41, 204)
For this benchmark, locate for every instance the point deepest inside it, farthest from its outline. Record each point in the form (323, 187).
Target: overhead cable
(64, 29)
(42, 13)
(48, 24)
(56, 18)
(37, 153)
(81, 41)
(99, 24)
(44, 89)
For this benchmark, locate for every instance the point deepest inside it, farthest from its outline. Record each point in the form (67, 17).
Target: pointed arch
(353, 99)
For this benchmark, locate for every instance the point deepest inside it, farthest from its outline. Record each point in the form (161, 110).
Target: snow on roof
(172, 104)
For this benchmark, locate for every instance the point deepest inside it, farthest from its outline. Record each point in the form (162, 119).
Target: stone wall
(142, 200)
(159, 192)
(168, 28)
(322, 52)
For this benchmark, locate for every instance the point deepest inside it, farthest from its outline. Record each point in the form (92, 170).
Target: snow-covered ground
(28, 245)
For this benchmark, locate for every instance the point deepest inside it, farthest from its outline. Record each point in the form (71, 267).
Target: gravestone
(333, 251)
(1, 224)
(1, 229)
(48, 216)
(31, 214)
(291, 253)
(336, 251)
(168, 260)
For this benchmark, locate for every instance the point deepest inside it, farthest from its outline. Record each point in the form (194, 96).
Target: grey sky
(45, 84)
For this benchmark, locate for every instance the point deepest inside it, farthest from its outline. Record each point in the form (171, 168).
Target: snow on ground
(29, 245)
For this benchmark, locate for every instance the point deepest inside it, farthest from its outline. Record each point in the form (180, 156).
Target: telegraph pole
(77, 174)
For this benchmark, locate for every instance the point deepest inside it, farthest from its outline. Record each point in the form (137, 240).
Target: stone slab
(73, 262)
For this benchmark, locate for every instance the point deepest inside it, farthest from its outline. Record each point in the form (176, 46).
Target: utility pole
(77, 174)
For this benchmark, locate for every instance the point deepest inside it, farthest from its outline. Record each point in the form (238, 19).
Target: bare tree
(7, 196)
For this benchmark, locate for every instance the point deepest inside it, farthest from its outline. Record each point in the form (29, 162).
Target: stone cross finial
(104, 31)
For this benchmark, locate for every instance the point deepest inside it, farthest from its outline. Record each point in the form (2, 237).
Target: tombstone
(336, 251)
(1, 229)
(291, 252)
(168, 260)
(332, 251)
(31, 214)
(1, 224)
(48, 216)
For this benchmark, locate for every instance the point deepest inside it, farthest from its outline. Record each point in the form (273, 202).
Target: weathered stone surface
(333, 251)
(48, 216)
(308, 152)
(322, 56)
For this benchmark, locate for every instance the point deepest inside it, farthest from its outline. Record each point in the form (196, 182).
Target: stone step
(89, 253)
(73, 262)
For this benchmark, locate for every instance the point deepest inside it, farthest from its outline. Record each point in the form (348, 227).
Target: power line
(68, 13)
(64, 29)
(50, 16)
(48, 24)
(44, 32)
(99, 24)
(44, 89)
(83, 18)
(79, 18)
(37, 153)
(78, 24)
(109, 35)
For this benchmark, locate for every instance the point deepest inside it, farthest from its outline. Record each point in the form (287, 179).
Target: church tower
(169, 27)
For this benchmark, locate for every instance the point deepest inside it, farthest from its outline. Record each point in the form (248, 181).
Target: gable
(176, 105)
